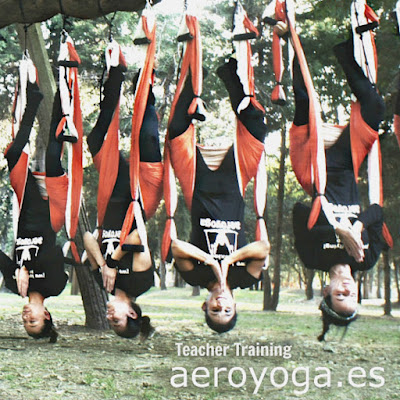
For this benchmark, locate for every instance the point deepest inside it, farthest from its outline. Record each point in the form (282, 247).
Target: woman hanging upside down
(213, 182)
(354, 244)
(125, 274)
(37, 267)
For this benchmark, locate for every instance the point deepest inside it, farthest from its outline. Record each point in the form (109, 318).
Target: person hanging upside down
(213, 182)
(354, 244)
(125, 274)
(37, 267)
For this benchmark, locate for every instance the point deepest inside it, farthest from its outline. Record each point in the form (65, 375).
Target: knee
(174, 247)
(264, 249)
(373, 112)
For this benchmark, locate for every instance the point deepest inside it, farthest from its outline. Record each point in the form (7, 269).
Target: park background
(89, 360)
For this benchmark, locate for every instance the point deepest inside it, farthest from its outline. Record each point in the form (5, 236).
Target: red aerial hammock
(278, 94)
(313, 172)
(309, 138)
(145, 178)
(244, 28)
(148, 28)
(192, 66)
(107, 159)
(65, 192)
(363, 139)
(19, 174)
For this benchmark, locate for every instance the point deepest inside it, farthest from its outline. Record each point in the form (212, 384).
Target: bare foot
(280, 28)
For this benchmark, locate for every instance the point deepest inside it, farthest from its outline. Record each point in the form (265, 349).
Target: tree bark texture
(32, 40)
(396, 277)
(309, 283)
(94, 298)
(163, 276)
(196, 291)
(267, 291)
(386, 268)
(379, 281)
(276, 279)
(31, 11)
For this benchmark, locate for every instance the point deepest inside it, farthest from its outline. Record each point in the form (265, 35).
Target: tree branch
(31, 11)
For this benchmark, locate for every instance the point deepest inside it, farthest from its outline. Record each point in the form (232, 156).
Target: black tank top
(217, 208)
(341, 189)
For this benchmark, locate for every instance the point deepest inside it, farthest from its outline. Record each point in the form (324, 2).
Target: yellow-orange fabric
(139, 109)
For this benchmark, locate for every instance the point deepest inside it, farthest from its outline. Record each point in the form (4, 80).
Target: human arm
(22, 278)
(184, 253)
(141, 260)
(307, 240)
(96, 260)
(371, 220)
(255, 253)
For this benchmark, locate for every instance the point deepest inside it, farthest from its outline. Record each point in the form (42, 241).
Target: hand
(352, 242)
(22, 277)
(109, 275)
(225, 264)
(357, 228)
(214, 264)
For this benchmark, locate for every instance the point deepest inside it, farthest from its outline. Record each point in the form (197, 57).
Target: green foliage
(11, 53)
(320, 25)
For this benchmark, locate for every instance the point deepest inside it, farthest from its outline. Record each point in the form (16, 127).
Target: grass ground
(91, 365)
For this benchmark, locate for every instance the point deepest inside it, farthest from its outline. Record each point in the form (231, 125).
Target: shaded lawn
(92, 365)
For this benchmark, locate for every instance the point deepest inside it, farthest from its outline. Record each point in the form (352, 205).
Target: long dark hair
(48, 330)
(220, 328)
(140, 325)
(330, 316)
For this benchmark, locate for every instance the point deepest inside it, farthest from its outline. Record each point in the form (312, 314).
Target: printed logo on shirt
(345, 212)
(110, 240)
(27, 249)
(218, 224)
(36, 275)
(221, 242)
(123, 271)
(338, 245)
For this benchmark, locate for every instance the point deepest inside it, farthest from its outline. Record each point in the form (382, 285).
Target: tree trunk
(379, 281)
(273, 304)
(74, 284)
(322, 281)
(386, 267)
(163, 276)
(367, 277)
(28, 12)
(94, 299)
(32, 40)
(309, 283)
(267, 291)
(358, 278)
(396, 274)
(179, 282)
(196, 291)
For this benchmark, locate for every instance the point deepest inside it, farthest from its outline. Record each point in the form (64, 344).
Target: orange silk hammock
(191, 67)
(309, 163)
